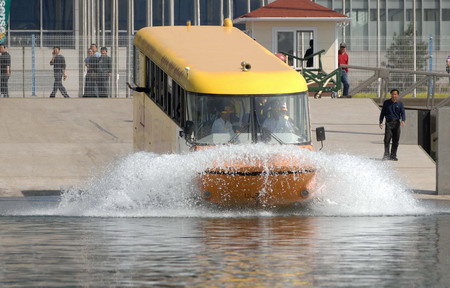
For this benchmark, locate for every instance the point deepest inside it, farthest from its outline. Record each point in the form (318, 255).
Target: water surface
(138, 225)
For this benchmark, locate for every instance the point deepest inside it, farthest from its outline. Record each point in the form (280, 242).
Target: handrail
(319, 53)
(306, 58)
(384, 73)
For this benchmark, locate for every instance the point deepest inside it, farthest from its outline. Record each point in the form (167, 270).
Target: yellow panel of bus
(202, 86)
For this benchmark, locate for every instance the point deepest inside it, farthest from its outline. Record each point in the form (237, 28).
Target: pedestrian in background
(59, 72)
(310, 51)
(5, 70)
(104, 70)
(448, 64)
(90, 86)
(95, 49)
(394, 112)
(343, 60)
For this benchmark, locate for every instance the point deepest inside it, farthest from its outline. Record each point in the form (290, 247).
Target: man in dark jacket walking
(394, 111)
(59, 72)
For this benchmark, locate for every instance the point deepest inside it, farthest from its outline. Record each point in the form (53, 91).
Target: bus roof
(207, 59)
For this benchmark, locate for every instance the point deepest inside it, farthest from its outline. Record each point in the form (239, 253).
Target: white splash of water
(151, 185)
(351, 185)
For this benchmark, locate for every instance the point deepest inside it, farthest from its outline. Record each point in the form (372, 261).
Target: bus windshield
(233, 119)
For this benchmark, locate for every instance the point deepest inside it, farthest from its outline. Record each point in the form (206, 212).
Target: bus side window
(175, 102)
(169, 97)
(148, 73)
(153, 81)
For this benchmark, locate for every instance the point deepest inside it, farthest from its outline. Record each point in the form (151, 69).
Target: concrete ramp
(46, 144)
(352, 127)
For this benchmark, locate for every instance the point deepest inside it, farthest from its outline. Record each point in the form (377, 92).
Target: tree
(400, 55)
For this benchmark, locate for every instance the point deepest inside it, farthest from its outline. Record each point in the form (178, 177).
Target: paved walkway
(46, 144)
(351, 126)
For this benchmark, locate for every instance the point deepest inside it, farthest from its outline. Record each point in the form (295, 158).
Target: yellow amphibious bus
(202, 86)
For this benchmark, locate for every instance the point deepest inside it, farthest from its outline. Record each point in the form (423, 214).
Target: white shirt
(222, 126)
(280, 125)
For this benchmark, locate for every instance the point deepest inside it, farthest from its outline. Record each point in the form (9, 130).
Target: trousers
(392, 132)
(58, 85)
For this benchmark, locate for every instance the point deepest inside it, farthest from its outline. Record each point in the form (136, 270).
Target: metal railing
(317, 79)
(383, 78)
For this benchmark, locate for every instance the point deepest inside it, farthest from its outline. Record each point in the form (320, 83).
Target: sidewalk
(46, 144)
(351, 127)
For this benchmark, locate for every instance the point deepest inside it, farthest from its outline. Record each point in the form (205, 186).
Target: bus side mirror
(320, 135)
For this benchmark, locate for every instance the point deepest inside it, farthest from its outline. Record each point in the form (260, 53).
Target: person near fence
(5, 70)
(310, 51)
(104, 70)
(95, 49)
(90, 85)
(59, 72)
(343, 60)
(448, 64)
(394, 112)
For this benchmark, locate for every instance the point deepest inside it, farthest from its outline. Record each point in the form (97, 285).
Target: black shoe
(386, 157)
(394, 158)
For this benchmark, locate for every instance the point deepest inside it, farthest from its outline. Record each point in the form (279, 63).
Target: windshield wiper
(236, 135)
(266, 131)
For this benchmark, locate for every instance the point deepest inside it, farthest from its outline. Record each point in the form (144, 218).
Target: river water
(136, 225)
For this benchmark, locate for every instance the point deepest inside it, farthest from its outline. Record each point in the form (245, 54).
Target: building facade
(371, 19)
(380, 19)
(37, 25)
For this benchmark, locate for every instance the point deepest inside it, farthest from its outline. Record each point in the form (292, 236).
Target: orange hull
(281, 182)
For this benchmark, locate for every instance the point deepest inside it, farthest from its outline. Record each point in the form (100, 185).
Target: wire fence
(33, 76)
(431, 56)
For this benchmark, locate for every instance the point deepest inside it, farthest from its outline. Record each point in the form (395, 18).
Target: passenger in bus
(278, 122)
(261, 108)
(223, 123)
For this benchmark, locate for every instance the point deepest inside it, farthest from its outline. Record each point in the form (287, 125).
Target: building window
(210, 12)
(445, 14)
(25, 15)
(409, 14)
(184, 11)
(56, 16)
(373, 15)
(431, 15)
(140, 14)
(395, 14)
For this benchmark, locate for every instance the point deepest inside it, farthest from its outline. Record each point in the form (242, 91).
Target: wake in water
(151, 185)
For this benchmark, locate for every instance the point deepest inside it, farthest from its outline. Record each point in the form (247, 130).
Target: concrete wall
(325, 37)
(409, 134)
(443, 151)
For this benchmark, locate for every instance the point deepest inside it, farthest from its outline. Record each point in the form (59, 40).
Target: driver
(277, 122)
(223, 123)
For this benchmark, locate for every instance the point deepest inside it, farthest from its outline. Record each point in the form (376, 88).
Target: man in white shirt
(223, 123)
(277, 122)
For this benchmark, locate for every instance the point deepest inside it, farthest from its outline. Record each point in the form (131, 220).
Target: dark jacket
(5, 61)
(392, 111)
(104, 65)
(59, 64)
